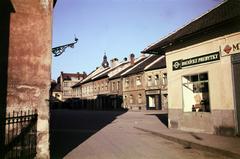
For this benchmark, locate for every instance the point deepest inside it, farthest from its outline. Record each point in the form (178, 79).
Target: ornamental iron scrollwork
(57, 51)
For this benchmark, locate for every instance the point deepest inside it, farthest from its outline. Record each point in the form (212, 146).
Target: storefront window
(196, 93)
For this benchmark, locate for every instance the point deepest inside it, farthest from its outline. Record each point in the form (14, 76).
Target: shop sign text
(179, 64)
(229, 49)
(153, 92)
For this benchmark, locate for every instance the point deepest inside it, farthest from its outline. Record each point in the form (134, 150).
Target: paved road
(117, 138)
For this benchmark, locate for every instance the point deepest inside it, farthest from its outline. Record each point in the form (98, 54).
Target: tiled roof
(226, 11)
(102, 74)
(157, 64)
(140, 67)
(93, 74)
(68, 76)
(118, 75)
(57, 88)
(106, 73)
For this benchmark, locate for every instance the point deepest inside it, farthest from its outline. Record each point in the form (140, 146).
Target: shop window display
(196, 93)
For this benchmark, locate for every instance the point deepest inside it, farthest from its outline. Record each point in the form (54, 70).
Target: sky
(117, 27)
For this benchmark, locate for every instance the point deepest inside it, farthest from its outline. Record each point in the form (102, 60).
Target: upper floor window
(149, 81)
(118, 85)
(164, 82)
(106, 86)
(65, 84)
(131, 99)
(138, 81)
(156, 80)
(102, 86)
(113, 86)
(126, 82)
(139, 98)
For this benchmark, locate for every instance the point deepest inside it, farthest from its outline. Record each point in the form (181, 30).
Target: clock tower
(105, 62)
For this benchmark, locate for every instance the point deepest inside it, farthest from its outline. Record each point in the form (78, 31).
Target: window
(113, 86)
(196, 93)
(106, 86)
(126, 82)
(149, 81)
(125, 100)
(138, 81)
(156, 80)
(118, 85)
(131, 99)
(139, 98)
(65, 84)
(164, 80)
(67, 93)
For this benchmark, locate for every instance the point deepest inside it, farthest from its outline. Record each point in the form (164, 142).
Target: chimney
(114, 62)
(142, 55)
(132, 58)
(84, 74)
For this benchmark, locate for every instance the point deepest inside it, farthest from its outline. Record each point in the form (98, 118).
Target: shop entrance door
(236, 76)
(154, 102)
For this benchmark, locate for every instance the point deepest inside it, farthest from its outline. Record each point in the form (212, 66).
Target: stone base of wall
(219, 122)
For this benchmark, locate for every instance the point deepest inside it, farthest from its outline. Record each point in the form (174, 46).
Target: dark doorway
(154, 102)
(236, 76)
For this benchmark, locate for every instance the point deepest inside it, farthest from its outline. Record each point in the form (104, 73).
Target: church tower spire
(105, 62)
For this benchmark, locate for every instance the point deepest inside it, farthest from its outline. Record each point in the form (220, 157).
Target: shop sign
(152, 92)
(229, 49)
(179, 64)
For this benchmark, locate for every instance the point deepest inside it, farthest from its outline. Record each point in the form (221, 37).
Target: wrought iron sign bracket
(57, 51)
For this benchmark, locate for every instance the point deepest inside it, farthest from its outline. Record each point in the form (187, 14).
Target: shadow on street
(70, 128)
(162, 117)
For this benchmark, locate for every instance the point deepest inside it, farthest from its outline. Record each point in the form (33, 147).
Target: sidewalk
(227, 146)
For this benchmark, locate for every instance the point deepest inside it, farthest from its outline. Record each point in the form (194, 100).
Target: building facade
(26, 35)
(133, 84)
(155, 75)
(203, 72)
(67, 80)
(134, 92)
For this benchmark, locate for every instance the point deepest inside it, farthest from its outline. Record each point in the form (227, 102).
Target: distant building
(115, 79)
(63, 89)
(133, 82)
(56, 91)
(155, 75)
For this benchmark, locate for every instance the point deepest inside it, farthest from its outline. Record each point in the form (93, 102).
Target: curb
(190, 144)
